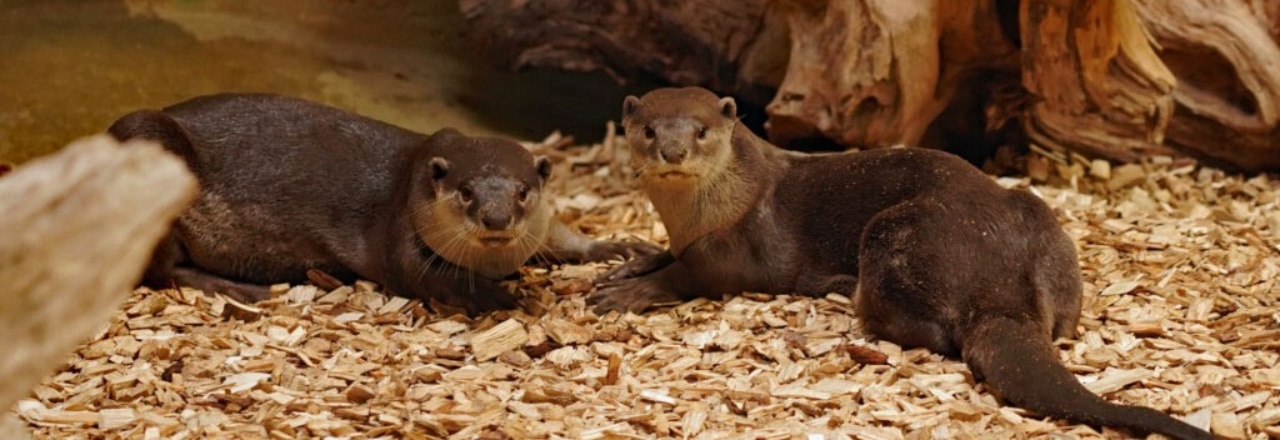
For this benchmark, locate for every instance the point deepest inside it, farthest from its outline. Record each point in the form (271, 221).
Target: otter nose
(496, 219)
(673, 156)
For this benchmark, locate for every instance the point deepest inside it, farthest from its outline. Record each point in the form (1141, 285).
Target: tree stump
(81, 224)
(875, 73)
(1225, 57)
(1113, 79)
(1101, 88)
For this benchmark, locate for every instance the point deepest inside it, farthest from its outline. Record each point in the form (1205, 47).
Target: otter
(936, 254)
(289, 185)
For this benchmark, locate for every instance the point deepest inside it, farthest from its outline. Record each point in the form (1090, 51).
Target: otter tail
(1016, 361)
(156, 126)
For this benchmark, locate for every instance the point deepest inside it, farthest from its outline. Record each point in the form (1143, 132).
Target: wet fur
(940, 256)
(289, 185)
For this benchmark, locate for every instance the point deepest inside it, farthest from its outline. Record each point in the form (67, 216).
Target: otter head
(679, 135)
(484, 208)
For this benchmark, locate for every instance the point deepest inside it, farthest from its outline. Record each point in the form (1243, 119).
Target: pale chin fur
(455, 238)
(671, 176)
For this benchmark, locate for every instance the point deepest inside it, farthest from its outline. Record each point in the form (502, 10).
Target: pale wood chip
(508, 335)
(242, 382)
(109, 419)
(1227, 426)
(657, 396)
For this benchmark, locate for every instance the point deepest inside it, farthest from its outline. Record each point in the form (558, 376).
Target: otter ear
(629, 106)
(728, 108)
(544, 167)
(439, 168)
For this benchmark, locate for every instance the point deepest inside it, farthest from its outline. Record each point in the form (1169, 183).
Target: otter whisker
(542, 250)
(530, 245)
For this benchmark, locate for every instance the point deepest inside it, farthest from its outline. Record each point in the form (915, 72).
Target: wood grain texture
(80, 226)
(1227, 62)
(875, 73)
(1100, 88)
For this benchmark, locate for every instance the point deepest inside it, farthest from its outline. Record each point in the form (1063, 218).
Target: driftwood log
(1113, 79)
(80, 226)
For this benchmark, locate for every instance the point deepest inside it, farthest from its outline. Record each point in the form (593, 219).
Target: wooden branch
(871, 73)
(82, 225)
(1228, 67)
(1099, 87)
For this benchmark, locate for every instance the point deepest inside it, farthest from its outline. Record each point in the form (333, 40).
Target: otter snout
(673, 153)
(495, 217)
(672, 139)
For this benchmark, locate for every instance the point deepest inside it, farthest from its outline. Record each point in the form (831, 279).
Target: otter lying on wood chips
(937, 254)
(289, 185)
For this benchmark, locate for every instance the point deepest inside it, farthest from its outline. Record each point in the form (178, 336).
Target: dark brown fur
(939, 255)
(289, 185)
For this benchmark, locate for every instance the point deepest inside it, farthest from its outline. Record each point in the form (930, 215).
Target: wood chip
(866, 356)
(508, 335)
(242, 382)
(323, 280)
(657, 396)
(615, 365)
(1114, 380)
(359, 395)
(109, 419)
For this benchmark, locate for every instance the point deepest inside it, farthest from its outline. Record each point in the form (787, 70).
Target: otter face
(679, 135)
(479, 202)
(490, 205)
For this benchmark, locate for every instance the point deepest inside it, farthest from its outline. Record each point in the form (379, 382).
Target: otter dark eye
(648, 132)
(465, 195)
(702, 133)
(524, 194)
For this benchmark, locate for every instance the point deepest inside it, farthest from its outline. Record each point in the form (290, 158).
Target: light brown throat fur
(693, 208)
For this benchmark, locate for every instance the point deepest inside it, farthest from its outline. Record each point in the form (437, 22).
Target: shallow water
(68, 68)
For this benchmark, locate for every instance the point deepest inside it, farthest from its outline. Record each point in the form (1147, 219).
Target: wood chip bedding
(1181, 313)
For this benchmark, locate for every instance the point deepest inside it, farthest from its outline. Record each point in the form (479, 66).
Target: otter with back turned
(289, 185)
(936, 253)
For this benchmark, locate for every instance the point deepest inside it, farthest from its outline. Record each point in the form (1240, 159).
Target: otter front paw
(630, 295)
(606, 250)
(638, 266)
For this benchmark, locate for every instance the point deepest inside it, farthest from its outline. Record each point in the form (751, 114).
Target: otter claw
(629, 295)
(605, 302)
(638, 266)
(624, 250)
